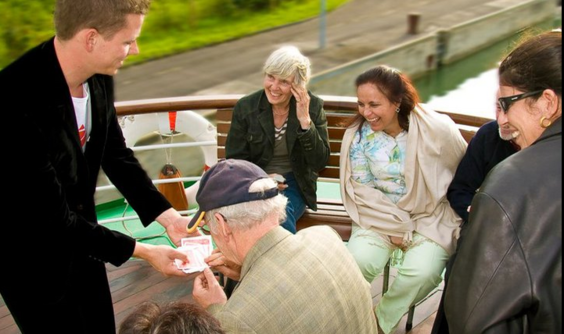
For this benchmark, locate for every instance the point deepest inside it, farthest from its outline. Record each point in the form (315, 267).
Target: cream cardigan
(434, 149)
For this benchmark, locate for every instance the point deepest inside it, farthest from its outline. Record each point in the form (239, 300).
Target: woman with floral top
(397, 161)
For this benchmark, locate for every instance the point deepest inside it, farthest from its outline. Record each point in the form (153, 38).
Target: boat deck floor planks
(136, 281)
(425, 311)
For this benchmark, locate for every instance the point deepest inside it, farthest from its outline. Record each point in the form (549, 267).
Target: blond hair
(287, 62)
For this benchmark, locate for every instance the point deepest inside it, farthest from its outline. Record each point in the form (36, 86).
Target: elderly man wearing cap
(303, 283)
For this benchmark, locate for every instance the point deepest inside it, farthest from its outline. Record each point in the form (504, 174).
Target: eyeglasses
(205, 228)
(505, 102)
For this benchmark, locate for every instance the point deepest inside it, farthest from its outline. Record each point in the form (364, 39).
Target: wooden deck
(136, 281)
(425, 312)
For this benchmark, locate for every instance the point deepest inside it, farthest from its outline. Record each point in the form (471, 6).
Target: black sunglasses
(505, 102)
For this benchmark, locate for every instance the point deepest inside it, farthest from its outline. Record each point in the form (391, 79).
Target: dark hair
(397, 88)
(535, 64)
(140, 320)
(171, 318)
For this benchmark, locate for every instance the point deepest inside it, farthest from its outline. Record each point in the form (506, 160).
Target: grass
(171, 27)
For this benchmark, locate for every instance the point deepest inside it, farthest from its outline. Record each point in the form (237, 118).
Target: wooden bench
(331, 211)
(339, 110)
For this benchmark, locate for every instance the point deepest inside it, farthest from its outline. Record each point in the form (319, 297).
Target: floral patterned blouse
(378, 160)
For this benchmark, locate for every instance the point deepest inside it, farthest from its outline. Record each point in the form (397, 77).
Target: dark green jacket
(251, 138)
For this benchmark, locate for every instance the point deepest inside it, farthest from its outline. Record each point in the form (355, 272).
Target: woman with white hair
(283, 129)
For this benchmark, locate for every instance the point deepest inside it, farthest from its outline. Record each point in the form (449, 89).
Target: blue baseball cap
(227, 183)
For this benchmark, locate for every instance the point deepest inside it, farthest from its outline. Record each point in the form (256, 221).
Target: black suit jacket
(51, 183)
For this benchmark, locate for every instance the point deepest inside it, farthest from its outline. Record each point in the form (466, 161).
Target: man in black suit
(61, 129)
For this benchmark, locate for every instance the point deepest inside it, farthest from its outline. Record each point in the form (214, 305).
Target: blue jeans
(296, 204)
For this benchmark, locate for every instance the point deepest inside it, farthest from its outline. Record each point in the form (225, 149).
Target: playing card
(197, 249)
(203, 240)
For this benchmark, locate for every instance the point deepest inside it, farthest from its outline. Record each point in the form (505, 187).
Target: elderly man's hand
(207, 290)
(217, 261)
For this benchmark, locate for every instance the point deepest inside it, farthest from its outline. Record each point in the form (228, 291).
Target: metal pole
(322, 26)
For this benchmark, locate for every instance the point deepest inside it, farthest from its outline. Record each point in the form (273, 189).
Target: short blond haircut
(288, 61)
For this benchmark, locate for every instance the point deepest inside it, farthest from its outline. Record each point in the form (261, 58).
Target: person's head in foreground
(530, 80)
(172, 318)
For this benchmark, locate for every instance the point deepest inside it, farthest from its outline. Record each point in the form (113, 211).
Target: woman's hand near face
(302, 105)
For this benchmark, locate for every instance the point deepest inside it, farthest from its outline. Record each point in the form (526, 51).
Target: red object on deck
(172, 120)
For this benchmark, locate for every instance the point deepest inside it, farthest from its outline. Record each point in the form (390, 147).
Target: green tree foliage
(172, 26)
(223, 8)
(23, 24)
(255, 4)
(169, 15)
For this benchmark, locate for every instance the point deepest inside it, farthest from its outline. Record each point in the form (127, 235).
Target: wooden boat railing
(209, 105)
(213, 102)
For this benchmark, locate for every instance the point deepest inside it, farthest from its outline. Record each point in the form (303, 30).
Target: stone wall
(419, 56)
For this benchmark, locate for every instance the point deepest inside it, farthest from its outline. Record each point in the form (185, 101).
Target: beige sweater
(434, 149)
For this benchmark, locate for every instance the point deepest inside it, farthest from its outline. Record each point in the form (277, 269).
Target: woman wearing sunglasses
(507, 277)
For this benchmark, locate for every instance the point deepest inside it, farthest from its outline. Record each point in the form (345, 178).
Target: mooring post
(413, 23)
(322, 24)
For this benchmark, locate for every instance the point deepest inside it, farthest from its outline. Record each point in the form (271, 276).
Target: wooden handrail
(339, 110)
(227, 101)
(135, 107)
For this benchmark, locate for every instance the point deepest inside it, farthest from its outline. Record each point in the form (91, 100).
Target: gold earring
(542, 123)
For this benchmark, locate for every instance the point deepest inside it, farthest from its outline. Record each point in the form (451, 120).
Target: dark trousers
(440, 326)
(82, 306)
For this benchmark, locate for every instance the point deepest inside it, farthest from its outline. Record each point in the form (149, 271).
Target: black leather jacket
(507, 277)
(251, 138)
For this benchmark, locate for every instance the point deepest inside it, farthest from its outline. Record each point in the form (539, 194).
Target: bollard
(413, 23)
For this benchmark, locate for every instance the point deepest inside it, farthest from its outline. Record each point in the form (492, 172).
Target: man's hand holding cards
(197, 249)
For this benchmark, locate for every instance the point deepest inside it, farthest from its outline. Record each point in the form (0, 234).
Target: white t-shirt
(83, 115)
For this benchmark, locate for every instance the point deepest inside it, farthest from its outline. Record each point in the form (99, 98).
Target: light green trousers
(419, 271)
